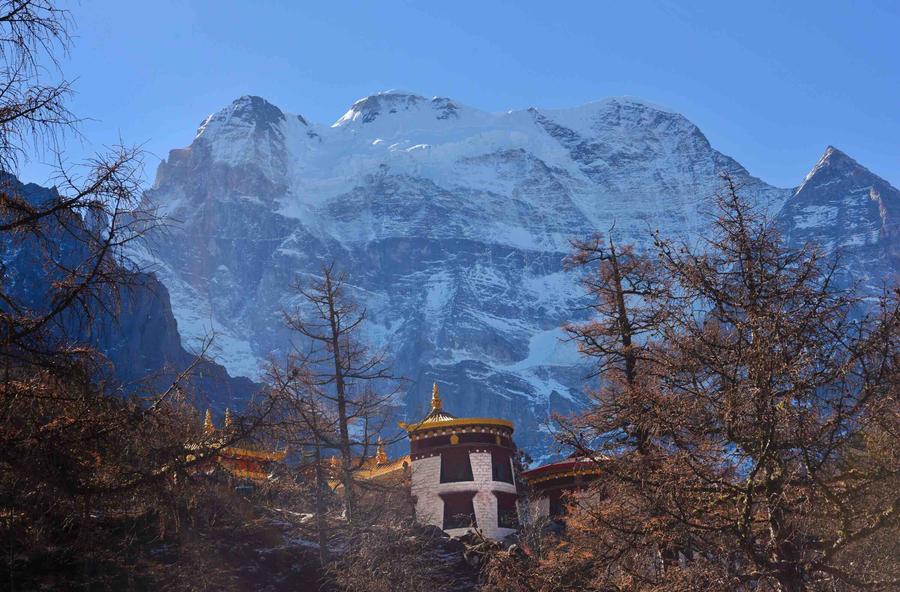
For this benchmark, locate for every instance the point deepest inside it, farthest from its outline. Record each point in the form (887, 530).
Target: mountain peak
(833, 154)
(380, 105)
(247, 110)
(836, 163)
(843, 206)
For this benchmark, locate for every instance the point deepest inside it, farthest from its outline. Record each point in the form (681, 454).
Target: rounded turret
(462, 472)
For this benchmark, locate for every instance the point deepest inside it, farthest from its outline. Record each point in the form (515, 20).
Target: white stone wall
(425, 477)
(427, 487)
(481, 466)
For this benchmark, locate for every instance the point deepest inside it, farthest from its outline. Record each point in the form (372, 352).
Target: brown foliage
(331, 384)
(98, 490)
(398, 556)
(764, 401)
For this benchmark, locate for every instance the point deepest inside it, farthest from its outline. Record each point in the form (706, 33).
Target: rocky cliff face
(137, 333)
(849, 211)
(451, 222)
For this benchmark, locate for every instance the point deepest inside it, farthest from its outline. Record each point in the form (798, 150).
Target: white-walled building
(462, 473)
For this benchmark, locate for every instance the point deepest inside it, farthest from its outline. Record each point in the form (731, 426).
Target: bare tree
(342, 377)
(768, 402)
(84, 467)
(306, 425)
(627, 301)
(33, 112)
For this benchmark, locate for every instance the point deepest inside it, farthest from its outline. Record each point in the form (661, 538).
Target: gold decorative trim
(247, 453)
(448, 423)
(563, 475)
(245, 474)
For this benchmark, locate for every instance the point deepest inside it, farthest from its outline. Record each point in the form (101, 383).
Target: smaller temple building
(240, 459)
(388, 473)
(462, 472)
(548, 485)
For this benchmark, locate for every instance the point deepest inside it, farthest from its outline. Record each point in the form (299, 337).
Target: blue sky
(771, 83)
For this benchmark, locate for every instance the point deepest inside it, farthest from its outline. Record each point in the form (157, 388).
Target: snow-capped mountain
(451, 222)
(846, 208)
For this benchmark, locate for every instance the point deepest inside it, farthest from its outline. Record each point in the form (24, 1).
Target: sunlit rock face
(451, 222)
(850, 212)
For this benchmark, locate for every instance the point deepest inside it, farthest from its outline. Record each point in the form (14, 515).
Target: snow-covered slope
(452, 223)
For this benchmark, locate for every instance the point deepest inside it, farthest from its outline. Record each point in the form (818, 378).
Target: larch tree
(626, 292)
(343, 378)
(86, 469)
(305, 421)
(769, 405)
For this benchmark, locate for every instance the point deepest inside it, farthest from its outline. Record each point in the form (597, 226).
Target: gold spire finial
(435, 398)
(381, 456)
(228, 420)
(208, 426)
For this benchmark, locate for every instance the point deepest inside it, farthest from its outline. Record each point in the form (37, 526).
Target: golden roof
(374, 470)
(371, 469)
(239, 452)
(453, 423)
(241, 449)
(438, 418)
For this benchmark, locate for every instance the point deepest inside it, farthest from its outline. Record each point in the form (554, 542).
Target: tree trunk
(340, 388)
(321, 483)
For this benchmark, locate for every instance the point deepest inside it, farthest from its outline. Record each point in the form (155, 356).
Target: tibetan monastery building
(241, 460)
(549, 484)
(462, 472)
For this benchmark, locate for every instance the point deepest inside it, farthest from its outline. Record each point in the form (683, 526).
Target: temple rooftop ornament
(438, 418)
(381, 456)
(435, 397)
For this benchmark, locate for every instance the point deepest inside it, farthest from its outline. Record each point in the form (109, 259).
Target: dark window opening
(507, 516)
(455, 466)
(557, 504)
(501, 466)
(430, 442)
(459, 511)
